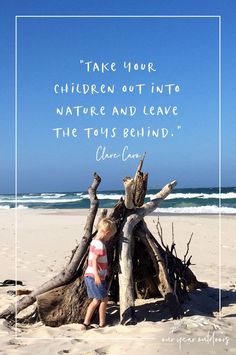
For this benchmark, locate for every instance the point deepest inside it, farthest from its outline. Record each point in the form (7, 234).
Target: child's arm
(95, 269)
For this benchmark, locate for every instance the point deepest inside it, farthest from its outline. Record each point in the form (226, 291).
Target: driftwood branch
(187, 250)
(140, 184)
(129, 192)
(68, 272)
(135, 188)
(140, 165)
(160, 232)
(149, 207)
(163, 281)
(126, 286)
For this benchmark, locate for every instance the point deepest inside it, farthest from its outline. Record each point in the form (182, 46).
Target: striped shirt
(97, 247)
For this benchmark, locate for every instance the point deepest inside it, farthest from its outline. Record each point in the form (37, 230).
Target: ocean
(181, 201)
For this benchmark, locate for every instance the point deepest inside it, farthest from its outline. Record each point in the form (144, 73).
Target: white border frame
(219, 142)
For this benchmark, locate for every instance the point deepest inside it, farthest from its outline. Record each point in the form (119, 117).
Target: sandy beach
(43, 244)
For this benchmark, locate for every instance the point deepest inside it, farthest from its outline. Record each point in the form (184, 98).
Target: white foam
(52, 195)
(7, 207)
(225, 196)
(30, 195)
(22, 207)
(197, 210)
(106, 197)
(177, 195)
(46, 200)
(229, 195)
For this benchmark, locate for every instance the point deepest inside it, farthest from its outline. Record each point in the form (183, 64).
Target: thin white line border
(219, 136)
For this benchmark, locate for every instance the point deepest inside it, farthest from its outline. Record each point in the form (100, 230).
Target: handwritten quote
(106, 91)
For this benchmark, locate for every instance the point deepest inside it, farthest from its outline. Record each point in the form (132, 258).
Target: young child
(96, 272)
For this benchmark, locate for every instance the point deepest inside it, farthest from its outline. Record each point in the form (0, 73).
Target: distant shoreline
(84, 212)
(197, 201)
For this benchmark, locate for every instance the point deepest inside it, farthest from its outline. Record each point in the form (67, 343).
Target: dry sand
(45, 239)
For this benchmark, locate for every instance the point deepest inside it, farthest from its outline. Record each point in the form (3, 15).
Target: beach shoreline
(180, 201)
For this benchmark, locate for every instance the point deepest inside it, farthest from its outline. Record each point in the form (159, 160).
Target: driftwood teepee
(140, 266)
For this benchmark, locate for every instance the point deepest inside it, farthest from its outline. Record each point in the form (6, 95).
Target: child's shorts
(95, 291)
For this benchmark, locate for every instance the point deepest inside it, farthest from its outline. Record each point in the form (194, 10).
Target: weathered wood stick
(68, 272)
(129, 192)
(164, 285)
(152, 205)
(140, 184)
(140, 165)
(126, 287)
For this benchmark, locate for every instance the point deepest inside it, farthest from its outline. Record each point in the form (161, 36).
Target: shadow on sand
(203, 302)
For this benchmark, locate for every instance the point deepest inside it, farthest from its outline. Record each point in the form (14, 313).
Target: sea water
(180, 201)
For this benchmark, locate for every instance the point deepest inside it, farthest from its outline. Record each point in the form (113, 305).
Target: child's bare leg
(90, 311)
(102, 311)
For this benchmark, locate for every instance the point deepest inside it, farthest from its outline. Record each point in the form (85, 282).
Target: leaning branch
(68, 272)
(149, 207)
(126, 287)
(187, 250)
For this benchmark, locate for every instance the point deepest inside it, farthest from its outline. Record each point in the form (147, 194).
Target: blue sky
(184, 51)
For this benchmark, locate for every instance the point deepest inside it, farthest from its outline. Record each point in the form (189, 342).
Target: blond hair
(107, 224)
